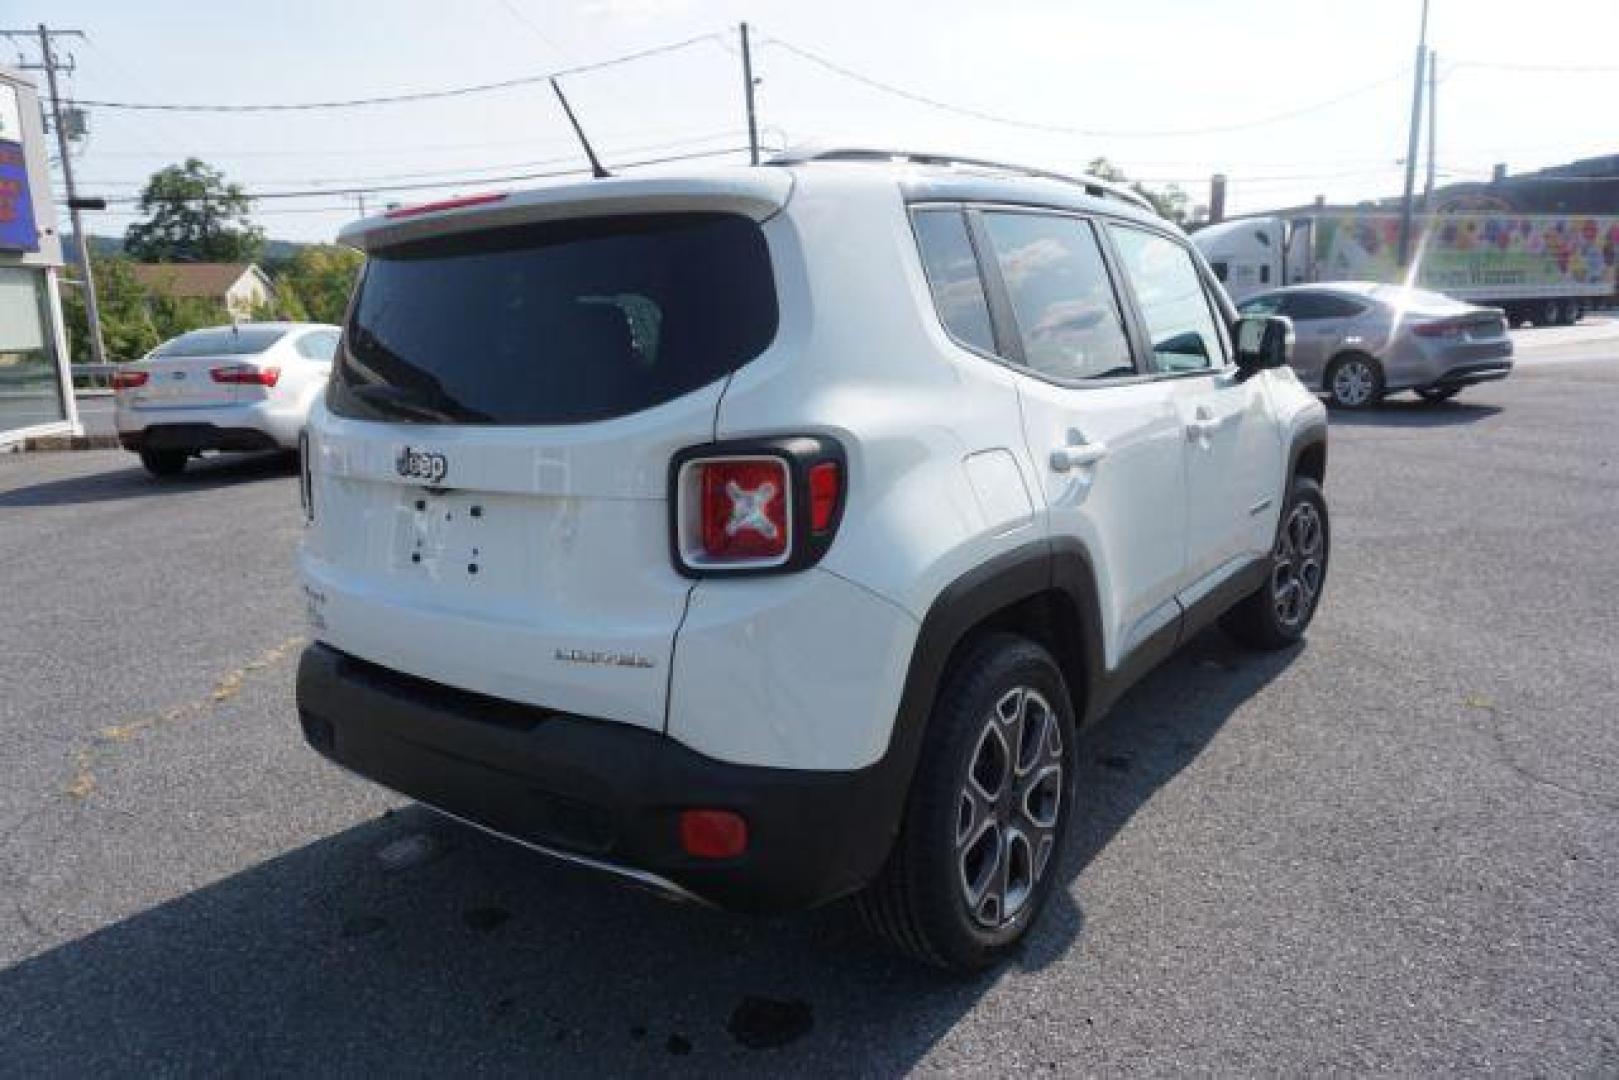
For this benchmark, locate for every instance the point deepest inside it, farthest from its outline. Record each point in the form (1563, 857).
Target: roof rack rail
(1093, 185)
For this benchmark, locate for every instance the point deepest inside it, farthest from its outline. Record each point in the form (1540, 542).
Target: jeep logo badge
(415, 464)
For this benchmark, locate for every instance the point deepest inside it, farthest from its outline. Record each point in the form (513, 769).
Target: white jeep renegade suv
(765, 536)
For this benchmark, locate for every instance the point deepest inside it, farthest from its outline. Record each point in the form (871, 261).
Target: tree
(195, 216)
(127, 326)
(1170, 201)
(315, 286)
(134, 319)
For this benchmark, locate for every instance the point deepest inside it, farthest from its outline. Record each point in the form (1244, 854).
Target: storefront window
(30, 388)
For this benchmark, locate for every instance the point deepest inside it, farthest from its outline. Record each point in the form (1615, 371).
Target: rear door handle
(1077, 455)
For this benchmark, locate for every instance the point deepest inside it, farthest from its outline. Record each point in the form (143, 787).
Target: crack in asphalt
(1480, 703)
(104, 742)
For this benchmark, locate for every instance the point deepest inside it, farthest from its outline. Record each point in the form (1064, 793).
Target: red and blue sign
(17, 229)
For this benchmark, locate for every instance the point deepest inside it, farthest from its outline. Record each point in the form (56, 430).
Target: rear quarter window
(557, 322)
(952, 271)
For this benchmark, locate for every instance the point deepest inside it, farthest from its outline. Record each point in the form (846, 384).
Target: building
(36, 386)
(240, 288)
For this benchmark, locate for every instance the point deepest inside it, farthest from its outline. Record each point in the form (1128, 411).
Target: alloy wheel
(1298, 565)
(1010, 801)
(1353, 383)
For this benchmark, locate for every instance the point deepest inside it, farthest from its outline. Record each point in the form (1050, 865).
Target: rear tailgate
(524, 563)
(490, 466)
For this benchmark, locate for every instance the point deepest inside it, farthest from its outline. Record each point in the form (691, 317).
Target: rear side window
(1067, 314)
(1306, 306)
(220, 341)
(1169, 291)
(952, 269)
(557, 322)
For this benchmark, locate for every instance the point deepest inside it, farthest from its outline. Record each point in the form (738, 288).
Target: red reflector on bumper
(713, 834)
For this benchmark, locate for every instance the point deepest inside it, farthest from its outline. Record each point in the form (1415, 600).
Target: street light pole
(92, 310)
(1433, 129)
(1417, 75)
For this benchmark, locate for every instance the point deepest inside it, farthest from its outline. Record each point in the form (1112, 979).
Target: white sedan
(244, 387)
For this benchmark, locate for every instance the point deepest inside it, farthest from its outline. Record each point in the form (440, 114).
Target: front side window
(952, 270)
(1169, 290)
(1263, 305)
(1068, 317)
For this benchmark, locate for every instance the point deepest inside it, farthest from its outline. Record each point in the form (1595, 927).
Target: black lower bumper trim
(609, 792)
(1472, 374)
(195, 437)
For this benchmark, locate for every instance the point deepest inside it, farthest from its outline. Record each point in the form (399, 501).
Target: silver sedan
(1356, 341)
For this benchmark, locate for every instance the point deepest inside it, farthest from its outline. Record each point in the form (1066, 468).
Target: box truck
(1548, 269)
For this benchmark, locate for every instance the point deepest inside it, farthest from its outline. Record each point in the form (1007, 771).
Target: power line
(1556, 69)
(379, 189)
(466, 171)
(1063, 129)
(398, 99)
(515, 12)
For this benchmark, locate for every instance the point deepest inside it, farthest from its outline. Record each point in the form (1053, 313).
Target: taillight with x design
(754, 506)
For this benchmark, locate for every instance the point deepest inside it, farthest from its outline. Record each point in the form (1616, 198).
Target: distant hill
(275, 251)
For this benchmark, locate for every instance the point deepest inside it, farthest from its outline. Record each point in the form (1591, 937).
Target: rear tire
(1433, 395)
(988, 811)
(1276, 614)
(1354, 381)
(164, 462)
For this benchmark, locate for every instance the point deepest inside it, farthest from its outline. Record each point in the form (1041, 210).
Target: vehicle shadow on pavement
(412, 945)
(1415, 414)
(116, 485)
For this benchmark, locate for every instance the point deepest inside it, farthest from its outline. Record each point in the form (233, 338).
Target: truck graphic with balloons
(1548, 269)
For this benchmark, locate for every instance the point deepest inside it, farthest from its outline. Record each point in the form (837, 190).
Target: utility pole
(747, 89)
(1413, 142)
(48, 62)
(1433, 128)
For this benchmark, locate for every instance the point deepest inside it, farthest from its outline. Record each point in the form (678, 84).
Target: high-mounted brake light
(445, 204)
(245, 375)
(128, 380)
(753, 506)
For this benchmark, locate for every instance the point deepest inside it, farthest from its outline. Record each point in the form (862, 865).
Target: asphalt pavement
(1393, 848)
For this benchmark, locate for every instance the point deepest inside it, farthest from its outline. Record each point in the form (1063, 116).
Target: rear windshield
(555, 323)
(220, 341)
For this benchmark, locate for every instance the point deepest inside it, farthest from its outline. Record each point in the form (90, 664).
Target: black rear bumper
(195, 437)
(608, 792)
(1472, 374)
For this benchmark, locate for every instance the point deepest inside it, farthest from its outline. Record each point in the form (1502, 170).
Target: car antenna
(596, 169)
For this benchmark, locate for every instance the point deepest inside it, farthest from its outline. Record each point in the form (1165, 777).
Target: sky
(1288, 98)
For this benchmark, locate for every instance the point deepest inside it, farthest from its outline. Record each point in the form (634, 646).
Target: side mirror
(1263, 341)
